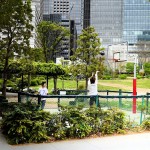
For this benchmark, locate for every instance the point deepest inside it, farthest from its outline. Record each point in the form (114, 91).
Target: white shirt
(43, 91)
(92, 88)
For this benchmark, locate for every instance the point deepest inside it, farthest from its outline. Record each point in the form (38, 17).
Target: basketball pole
(134, 88)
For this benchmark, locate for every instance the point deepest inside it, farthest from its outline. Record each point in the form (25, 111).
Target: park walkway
(120, 142)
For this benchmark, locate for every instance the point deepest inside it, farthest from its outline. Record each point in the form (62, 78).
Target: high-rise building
(116, 21)
(136, 21)
(106, 17)
(37, 12)
(68, 14)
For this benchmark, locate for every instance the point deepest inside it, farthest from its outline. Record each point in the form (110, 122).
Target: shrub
(71, 123)
(20, 84)
(10, 84)
(139, 77)
(34, 82)
(146, 124)
(23, 125)
(81, 87)
(122, 76)
(40, 80)
(106, 77)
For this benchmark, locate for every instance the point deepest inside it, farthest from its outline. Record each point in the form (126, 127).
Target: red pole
(134, 94)
(134, 87)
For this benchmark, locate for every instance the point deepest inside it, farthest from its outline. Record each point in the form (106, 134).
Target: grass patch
(71, 84)
(141, 83)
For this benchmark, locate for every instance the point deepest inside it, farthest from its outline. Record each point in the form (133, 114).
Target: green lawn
(71, 84)
(141, 83)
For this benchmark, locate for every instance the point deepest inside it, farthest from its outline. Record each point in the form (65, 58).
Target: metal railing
(123, 102)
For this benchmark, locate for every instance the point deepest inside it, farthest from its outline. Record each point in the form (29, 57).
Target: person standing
(43, 91)
(92, 88)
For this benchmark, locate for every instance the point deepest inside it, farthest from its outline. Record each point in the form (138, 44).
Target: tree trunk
(47, 80)
(86, 82)
(77, 81)
(5, 78)
(22, 82)
(29, 78)
(86, 79)
(55, 84)
(4, 84)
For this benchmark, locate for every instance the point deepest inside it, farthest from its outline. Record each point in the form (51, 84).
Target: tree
(147, 68)
(88, 52)
(75, 70)
(15, 27)
(36, 54)
(50, 37)
(130, 68)
(50, 69)
(143, 51)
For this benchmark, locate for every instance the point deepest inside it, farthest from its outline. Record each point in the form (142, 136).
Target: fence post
(19, 97)
(97, 101)
(107, 97)
(142, 110)
(120, 99)
(147, 99)
(39, 99)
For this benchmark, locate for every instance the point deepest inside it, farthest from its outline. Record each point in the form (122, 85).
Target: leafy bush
(122, 76)
(40, 80)
(20, 84)
(146, 124)
(23, 125)
(10, 83)
(113, 121)
(106, 77)
(139, 77)
(70, 123)
(34, 82)
(81, 87)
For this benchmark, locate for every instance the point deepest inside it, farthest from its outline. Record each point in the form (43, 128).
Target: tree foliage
(50, 36)
(27, 67)
(130, 68)
(36, 54)
(147, 68)
(50, 69)
(15, 27)
(88, 52)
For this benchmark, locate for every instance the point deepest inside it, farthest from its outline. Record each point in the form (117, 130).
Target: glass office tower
(69, 9)
(136, 21)
(106, 17)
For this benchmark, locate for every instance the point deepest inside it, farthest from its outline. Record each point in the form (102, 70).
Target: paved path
(121, 142)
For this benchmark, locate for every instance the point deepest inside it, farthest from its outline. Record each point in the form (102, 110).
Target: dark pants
(43, 104)
(93, 101)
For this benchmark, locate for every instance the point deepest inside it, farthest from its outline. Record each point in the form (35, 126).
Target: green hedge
(25, 124)
(122, 76)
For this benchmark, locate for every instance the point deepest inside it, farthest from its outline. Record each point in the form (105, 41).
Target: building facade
(37, 12)
(68, 14)
(136, 21)
(116, 21)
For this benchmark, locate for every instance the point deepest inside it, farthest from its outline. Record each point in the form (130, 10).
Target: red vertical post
(134, 94)
(134, 87)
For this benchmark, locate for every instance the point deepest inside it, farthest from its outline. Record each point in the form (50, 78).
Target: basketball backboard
(117, 55)
(117, 52)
